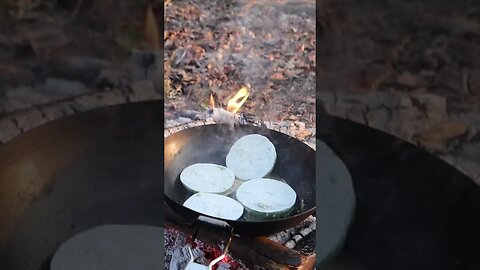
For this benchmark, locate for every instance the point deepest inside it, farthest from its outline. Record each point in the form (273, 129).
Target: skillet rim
(306, 213)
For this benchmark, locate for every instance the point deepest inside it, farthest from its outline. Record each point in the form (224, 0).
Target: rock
(29, 119)
(277, 76)
(374, 75)
(57, 111)
(437, 137)
(327, 101)
(8, 130)
(461, 24)
(188, 114)
(81, 63)
(184, 120)
(85, 69)
(450, 77)
(435, 105)
(297, 7)
(341, 109)
(434, 146)
(405, 102)
(24, 97)
(410, 80)
(376, 99)
(64, 88)
(356, 112)
(474, 83)
(372, 100)
(114, 97)
(46, 38)
(144, 90)
(472, 104)
(402, 121)
(17, 104)
(14, 104)
(111, 79)
(299, 125)
(411, 113)
(141, 63)
(430, 60)
(148, 66)
(103, 99)
(378, 118)
(156, 74)
(390, 100)
(303, 134)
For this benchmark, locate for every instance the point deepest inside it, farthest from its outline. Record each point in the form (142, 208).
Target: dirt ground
(403, 45)
(211, 47)
(409, 68)
(215, 47)
(32, 31)
(86, 44)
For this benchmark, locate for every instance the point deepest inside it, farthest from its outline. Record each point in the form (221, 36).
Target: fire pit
(413, 210)
(290, 249)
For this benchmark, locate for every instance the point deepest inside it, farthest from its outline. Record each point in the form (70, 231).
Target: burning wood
(267, 252)
(293, 236)
(221, 116)
(177, 254)
(228, 116)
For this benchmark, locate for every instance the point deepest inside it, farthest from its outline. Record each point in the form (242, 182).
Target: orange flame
(233, 105)
(211, 103)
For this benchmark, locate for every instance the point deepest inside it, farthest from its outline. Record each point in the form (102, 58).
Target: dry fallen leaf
(277, 76)
(303, 134)
(436, 139)
(408, 79)
(443, 131)
(45, 39)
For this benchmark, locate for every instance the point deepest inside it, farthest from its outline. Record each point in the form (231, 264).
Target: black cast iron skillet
(295, 164)
(68, 176)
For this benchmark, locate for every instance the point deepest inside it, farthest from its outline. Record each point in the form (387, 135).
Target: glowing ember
(233, 104)
(175, 260)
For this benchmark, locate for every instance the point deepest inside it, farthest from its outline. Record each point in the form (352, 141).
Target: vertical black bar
(162, 29)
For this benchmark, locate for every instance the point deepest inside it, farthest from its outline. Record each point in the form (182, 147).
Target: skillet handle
(220, 224)
(214, 222)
